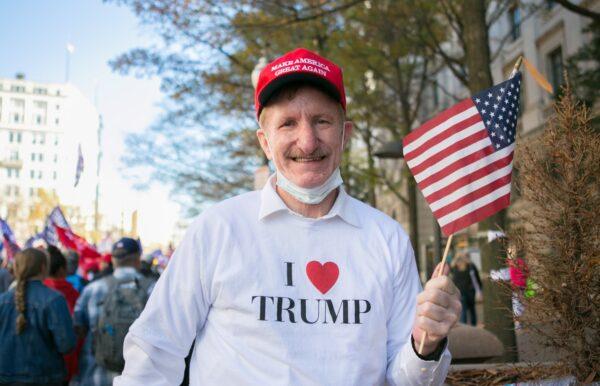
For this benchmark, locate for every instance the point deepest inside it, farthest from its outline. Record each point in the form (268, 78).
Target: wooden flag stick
(448, 243)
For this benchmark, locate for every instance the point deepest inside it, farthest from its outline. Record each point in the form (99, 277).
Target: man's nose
(307, 140)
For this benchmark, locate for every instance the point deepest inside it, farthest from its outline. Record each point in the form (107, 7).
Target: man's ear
(261, 134)
(348, 128)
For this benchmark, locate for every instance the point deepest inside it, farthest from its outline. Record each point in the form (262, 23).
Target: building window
(55, 158)
(16, 190)
(57, 107)
(14, 155)
(54, 175)
(16, 88)
(17, 110)
(33, 156)
(31, 192)
(11, 136)
(42, 138)
(8, 189)
(19, 137)
(41, 157)
(39, 174)
(514, 18)
(17, 173)
(555, 69)
(32, 174)
(40, 112)
(9, 172)
(56, 121)
(40, 91)
(55, 140)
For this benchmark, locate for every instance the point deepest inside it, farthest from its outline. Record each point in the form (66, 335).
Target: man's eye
(323, 122)
(287, 123)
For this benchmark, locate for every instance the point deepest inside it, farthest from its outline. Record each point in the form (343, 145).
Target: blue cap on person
(125, 246)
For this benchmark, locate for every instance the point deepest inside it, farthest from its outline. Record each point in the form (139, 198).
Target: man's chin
(309, 182)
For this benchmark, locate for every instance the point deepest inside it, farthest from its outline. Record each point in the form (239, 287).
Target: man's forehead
(296, 100)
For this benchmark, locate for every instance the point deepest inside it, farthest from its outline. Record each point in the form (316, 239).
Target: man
(73, 277)
(97, 304)
(297, 284)
(56, 279)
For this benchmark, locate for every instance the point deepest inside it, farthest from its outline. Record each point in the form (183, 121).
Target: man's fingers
(439, 313)
(436, 296)
(441, 269)
(432, 311)
(443, 283)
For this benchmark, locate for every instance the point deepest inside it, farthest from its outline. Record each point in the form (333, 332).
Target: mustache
(296, 153)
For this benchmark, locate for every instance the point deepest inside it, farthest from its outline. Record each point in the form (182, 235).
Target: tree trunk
(496, 304)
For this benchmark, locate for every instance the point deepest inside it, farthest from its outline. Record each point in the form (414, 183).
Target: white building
(41, 127)
(546, 34)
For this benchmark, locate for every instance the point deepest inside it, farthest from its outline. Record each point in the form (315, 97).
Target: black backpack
(124, 302)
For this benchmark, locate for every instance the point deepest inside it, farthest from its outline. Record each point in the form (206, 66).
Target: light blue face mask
(309, 196)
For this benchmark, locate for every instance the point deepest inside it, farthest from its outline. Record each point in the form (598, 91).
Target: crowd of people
(59, 328)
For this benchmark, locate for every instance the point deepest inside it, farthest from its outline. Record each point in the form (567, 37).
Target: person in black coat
(466, 278)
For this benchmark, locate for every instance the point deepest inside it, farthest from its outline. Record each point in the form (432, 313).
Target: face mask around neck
(309, 196)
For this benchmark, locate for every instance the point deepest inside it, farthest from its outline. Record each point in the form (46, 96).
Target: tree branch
(579, 10)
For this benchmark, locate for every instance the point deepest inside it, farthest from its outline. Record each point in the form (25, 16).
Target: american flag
(79, 169)
(462, 158)
(57, 217)
(8, 240)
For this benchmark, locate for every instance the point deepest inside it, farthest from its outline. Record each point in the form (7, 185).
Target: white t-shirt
(274, 298)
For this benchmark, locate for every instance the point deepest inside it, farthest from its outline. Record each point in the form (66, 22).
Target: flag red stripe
(477, 215)
(472, 196)
(454, 166)
(454, 148)
(459, 126)
(465, 180)
(443, 116)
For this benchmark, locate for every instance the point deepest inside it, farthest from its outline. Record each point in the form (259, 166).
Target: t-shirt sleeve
(404, 365)
(160, 339)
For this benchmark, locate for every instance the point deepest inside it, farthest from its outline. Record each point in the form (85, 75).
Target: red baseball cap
(299, 65)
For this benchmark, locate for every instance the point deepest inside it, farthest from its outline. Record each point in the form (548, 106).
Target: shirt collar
(271, 202)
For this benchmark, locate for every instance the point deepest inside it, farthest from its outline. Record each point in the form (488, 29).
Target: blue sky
(33, 39)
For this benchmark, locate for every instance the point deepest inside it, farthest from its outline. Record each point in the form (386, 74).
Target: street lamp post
(261, 175)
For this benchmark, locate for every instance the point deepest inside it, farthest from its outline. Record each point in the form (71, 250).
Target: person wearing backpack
(106, 309)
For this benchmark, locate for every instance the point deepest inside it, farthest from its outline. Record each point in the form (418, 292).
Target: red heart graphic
(323, 276)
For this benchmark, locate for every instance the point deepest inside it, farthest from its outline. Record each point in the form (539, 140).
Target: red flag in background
(89, 257)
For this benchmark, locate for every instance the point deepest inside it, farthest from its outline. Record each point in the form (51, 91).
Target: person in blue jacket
(35, 326)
